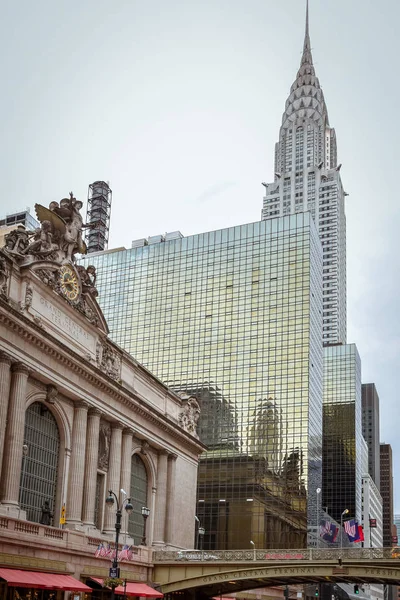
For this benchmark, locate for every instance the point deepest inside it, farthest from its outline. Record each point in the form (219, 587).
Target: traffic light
(316, 592)
(356, 589)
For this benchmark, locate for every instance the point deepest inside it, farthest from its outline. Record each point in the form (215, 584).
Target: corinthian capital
(20, 368)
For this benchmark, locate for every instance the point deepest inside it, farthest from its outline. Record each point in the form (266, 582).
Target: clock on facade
(69, 283)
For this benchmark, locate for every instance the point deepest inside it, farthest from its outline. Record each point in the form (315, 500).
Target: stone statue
(17, 241)
(88, 279)
(47, 515)
(66, 226)
(42, 245)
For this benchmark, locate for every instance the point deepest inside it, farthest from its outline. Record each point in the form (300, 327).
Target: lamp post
(201, 537)
(25, 451)
(254, 549)
(318, 513)
(345, 512)
(111, 498)
(145, 515)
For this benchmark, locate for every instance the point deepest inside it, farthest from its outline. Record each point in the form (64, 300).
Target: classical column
(77, 465)
(5, 381)
(126, 462)
(169, 536)
(161, 499)
(114, 473)
(91, 463)
(14, 438)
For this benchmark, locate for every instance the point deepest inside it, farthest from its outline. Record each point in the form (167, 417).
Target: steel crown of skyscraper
(307, 178)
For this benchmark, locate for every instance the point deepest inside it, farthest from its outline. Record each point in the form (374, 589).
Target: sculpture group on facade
(59, 238)
(51, 249)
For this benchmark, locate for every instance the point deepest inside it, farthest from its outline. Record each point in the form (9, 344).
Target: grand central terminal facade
(79, 417)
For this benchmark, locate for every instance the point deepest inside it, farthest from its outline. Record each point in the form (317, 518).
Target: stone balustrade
(64, 539)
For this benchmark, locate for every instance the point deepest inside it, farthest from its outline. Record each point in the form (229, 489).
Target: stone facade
(55, 355)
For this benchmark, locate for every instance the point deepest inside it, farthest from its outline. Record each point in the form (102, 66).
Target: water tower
(98, 216)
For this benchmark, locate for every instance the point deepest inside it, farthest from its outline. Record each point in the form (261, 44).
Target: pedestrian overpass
(203, 573)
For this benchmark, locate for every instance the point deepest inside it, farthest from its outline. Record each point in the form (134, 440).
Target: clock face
(69, 283)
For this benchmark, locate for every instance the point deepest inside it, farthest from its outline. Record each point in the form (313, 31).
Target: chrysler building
(307, 178)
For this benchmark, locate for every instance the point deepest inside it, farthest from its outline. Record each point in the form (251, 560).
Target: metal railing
(311, 554)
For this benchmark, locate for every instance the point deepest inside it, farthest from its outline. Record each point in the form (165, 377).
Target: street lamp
(145, 515)
(318, 513)
(344, 513)
(111, 498)
(201, 537)
(254, 549)
(25, 451)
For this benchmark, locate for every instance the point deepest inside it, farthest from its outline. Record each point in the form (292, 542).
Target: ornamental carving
(104, 445)
(189, 417)
(51, 394)
(108, 360)
(3, 277)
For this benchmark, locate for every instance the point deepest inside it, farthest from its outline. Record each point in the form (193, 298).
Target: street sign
(114, 572)
(372, 523)
(62, 516)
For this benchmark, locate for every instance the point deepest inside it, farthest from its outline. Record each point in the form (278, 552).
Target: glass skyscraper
(343, 443)
(234, 317)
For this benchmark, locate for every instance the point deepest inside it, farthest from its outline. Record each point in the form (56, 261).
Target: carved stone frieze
(189, 417)
(108, 360)
(28, 297)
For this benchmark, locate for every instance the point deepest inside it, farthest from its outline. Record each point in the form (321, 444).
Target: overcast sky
(177, 103)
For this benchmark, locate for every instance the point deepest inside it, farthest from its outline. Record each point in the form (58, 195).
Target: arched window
(138, 493)
(40, 463)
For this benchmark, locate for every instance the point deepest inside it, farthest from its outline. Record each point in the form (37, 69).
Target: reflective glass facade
(343, 443)
(234, 317)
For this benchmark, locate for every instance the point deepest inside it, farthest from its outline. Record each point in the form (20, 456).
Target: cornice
(34, 334)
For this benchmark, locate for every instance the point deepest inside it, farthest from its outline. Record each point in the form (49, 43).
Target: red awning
(50, 581)
(97, 580)
(138, 589)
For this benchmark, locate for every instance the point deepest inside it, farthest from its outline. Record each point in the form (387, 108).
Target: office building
(371, 517)
(234, 317)
(386, 490)
(343, 444)
(307, 178)
(370, 428)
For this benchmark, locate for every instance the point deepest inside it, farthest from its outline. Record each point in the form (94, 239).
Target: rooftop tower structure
(98, 216)
(307, 178)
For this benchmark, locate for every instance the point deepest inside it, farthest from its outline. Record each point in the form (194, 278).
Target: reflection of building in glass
(218, 423)
(266, 433)
(241, 308)
(342, 434)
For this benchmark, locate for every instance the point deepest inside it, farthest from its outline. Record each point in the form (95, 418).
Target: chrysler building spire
(307, 56)
(307, 179)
